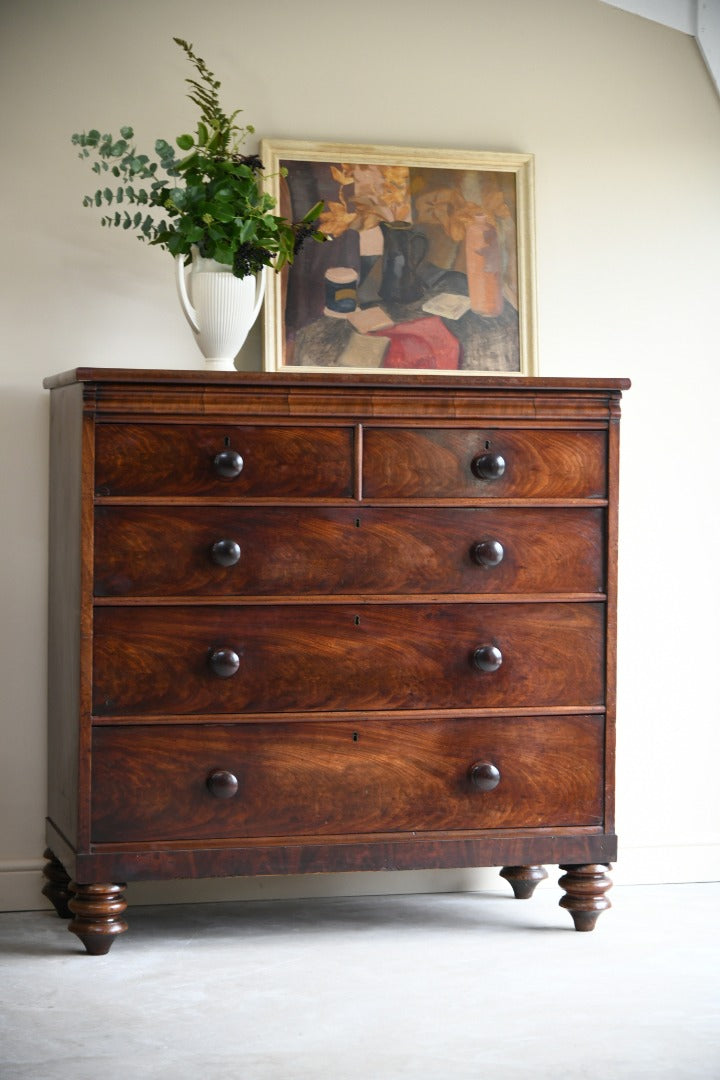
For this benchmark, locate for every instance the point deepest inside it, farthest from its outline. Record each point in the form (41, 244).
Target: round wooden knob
(222, 784)
(224, 662)
(487, 658)
(225, 552)
(484, 776)
(488, 553)
(228, 463)
(488, 466)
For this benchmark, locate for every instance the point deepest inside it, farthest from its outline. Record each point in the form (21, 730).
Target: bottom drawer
(343, 778)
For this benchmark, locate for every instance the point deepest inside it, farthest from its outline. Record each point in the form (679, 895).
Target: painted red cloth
(421, 343)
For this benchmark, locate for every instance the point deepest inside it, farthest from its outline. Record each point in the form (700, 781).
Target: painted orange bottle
(484, 270)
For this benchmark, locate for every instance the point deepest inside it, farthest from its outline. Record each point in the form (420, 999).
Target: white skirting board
(21, 880)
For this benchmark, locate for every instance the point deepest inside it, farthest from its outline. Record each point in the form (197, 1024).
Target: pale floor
(443, 987)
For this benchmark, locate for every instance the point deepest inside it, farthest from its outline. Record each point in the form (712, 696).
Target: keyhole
(357, 523)
(357, 620)
(226, 440)
(355, 736)
(487, 444)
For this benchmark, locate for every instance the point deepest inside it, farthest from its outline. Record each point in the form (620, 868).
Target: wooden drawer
(433, 463)
(178, 459)
(158, 660)
(338, 777)
(180, 551)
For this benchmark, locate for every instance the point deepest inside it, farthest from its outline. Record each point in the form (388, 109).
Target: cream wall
(625, 125)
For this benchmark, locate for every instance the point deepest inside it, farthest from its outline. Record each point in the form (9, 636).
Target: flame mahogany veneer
(303, 623)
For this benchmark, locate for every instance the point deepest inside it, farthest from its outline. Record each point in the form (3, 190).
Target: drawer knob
(487, 658)
(225, 552)
(488, 466)
(222, 784)
(488, 553)
(224, 662)
(484, 776)
(228, 463)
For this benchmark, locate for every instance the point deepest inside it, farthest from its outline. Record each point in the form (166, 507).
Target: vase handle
(260, 282)
(188, 309)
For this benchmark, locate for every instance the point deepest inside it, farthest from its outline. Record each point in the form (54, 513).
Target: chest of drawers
(304, 624)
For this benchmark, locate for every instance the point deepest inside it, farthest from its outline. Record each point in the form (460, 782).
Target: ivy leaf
(224, 254)
(247, 231)
(313, 213)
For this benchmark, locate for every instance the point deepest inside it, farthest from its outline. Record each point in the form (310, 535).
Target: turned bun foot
(97, 910)
(57, 885)
(585, 887)
(523, 879)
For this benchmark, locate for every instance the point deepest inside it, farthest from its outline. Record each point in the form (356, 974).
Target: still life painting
(428, 267)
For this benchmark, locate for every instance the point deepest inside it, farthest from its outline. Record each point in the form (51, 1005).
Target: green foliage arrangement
(211, 198)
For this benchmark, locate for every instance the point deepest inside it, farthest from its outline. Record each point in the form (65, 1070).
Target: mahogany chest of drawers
(303, 623)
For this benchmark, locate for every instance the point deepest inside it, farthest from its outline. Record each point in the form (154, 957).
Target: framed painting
(430, 266)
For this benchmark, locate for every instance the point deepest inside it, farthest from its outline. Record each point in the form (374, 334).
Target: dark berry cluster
(302, 232)
(251, 160)
(249, 259)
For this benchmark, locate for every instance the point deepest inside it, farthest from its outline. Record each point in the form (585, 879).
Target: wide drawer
(183, 459)
(337, 777)
(184, 551)
(180, 660)
(463, 463)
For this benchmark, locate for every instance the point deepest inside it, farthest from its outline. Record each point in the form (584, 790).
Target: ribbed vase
(220, 308)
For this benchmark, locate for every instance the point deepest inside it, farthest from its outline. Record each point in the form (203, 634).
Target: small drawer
(268, 659)
(266, 551)
(433, 463)
(345, 777)
(177, 459)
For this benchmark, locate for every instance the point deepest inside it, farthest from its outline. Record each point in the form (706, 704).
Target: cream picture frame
(430, 269)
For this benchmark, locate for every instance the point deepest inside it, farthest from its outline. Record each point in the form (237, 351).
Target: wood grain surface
(345, 778)
(154, 660)
(167, 551)
(176, 459)
(437, 463)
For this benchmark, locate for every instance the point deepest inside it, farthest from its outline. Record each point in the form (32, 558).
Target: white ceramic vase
(219, 307)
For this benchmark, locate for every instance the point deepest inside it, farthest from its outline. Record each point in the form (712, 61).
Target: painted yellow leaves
(378, 193)
(369, 194)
